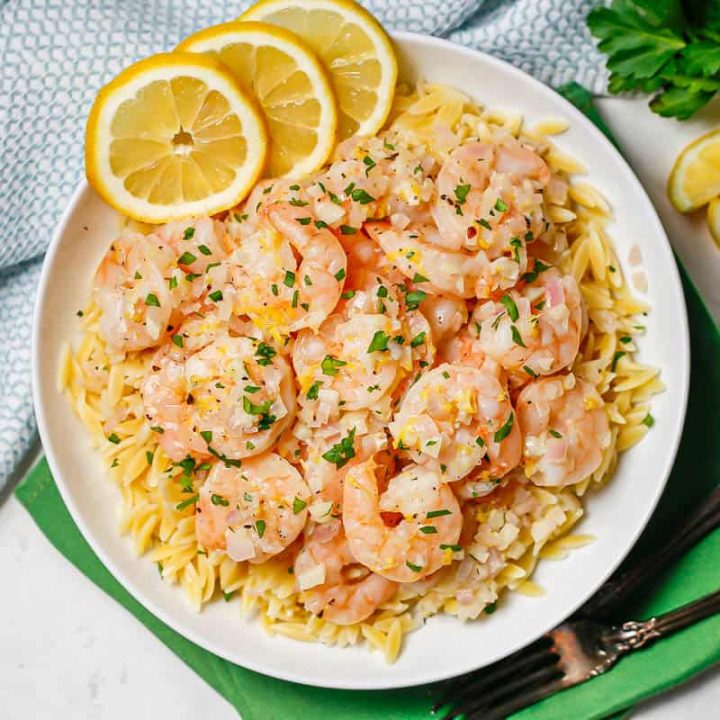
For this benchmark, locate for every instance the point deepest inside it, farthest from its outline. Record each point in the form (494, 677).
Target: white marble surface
(68, 651)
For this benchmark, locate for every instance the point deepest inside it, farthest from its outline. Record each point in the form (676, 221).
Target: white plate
(445, 646)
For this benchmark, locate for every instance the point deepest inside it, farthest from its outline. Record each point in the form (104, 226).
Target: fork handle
(633, 635)
(616, 590)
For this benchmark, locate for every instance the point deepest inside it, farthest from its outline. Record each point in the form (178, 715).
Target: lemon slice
(713, 219)
(695, 177)
(174, 136)
(290, 84)
(355, 49)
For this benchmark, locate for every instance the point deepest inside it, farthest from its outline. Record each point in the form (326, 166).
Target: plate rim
(177, 625)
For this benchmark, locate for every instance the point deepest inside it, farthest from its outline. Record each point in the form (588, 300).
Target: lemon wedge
(695, 177)
(174, 136)
(289, 82)
(713, 219)
(355, 49)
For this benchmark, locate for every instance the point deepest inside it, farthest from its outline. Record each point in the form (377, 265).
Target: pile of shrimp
(357, 369)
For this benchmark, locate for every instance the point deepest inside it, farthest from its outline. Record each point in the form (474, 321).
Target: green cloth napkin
(640, 676)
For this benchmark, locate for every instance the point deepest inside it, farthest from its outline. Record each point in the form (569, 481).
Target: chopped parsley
(501, 205)
(177, 340)
(379, 342)
(149, 456)
(340, 274)
(172, 283)
(205, 250)
(369, 164)
(189, 233)
(414, 298)
(304, 220)
(265, 353)
(454, 548)
(419, 339)
(555, 433)
(485, 223)
(529, 371)
(297, 202)
(509, 304)
(260, 528)
(428, 530)
(187, 502)
(252, 409)
(537, 269)
(216, 295)
(206, 435)
(517, 338)
(289, 280)
(298, 505)
(348, 294)
(342, 452)
(187, 258)
(114, 439)
(438, 513)
(616, 358)
(219, 500)
(312, 393)
(461, 193)
(414, 568)
(348, 230)
(252, 389)
(648, 420)
(359, 195)
(330, 365)
(504, 431)
(418, 278)
(151, 300)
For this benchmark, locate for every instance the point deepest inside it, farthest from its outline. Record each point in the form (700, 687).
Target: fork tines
(520, 679)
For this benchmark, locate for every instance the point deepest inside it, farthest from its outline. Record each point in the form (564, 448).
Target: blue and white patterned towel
(56, 54)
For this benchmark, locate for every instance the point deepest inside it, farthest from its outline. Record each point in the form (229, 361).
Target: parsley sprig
(670, 48)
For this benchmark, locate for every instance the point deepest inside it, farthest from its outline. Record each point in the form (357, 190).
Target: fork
(601, 605)
(569, 655)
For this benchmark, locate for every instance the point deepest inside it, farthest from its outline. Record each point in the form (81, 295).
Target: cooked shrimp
(335, 586)
(198, 242)
(489, 197)
(351, 601)
(279, 294)
(360, 352)
(407, 532)
(535, 328)
(252, 512)
(231, 399)
(132, 293)
(566, 430)
(331, 449)
(414, 251)
(456, 417)
(446, 315)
